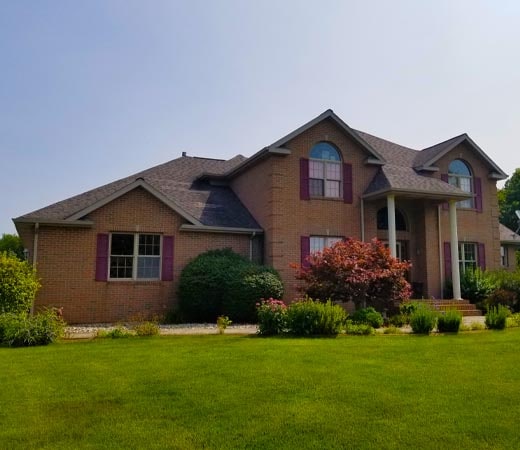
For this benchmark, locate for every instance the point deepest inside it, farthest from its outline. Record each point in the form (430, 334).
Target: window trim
(135, 257)
(504, 256)
(324, 163)
(326, 240)
(463, 262)
(456, 178)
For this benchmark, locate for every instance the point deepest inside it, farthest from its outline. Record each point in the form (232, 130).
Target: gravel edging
(91, 331)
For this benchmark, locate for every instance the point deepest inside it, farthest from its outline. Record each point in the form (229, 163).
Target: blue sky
(92, 91)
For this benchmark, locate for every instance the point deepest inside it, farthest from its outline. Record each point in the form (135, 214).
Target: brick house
(509, 245)
(119, 249)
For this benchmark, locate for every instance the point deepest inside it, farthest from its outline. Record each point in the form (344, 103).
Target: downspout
(251, 246)
(35, 254)
(362, 209)
(441, 256)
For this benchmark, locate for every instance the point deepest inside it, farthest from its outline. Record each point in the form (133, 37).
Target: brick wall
(66, 261)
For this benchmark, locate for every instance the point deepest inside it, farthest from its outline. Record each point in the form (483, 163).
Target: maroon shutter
(102, 257)
(347, 183)
(477, 182)
(167, 258)
(304, 179)
(444, 177)
(447, 260)
(305, 249)
(482, 256)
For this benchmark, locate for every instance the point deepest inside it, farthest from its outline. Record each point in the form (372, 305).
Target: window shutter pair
(102, 254)
(304, 181)
(481, 258)
(477, 190)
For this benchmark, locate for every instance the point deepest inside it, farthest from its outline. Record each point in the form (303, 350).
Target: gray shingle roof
(508, 236)
(176, 180)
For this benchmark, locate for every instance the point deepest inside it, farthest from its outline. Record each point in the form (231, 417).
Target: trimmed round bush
(368, 316)
(245, 292)
(223, 283)
(18, 284)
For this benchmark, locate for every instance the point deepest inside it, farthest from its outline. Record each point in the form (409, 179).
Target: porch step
(463, 306)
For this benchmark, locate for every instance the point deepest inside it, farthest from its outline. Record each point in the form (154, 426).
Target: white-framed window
(325, 171)
(503, 256)
(399, 249)
(318, 243)
(135, 256)
(467, 256)
(459, 174)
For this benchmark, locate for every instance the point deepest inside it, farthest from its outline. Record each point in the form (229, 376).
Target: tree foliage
(13, 244)
(18, 284)
(363, 272)
(509, 201)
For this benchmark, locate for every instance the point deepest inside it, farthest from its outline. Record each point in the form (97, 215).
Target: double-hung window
(467, 256)
(324, 171)
(318, 243)
(135, 256)
(459, 174)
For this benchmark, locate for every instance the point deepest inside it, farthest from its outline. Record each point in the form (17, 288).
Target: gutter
(214, 229)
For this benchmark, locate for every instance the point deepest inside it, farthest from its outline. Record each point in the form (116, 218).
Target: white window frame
(398, 249)
(325, 164)
(504, 256)
(457, 180)
(319, 243)
(464, 263)
(135, 257)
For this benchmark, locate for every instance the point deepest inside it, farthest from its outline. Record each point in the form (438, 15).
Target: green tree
(509, 201)
(18, 284)
(12, 243)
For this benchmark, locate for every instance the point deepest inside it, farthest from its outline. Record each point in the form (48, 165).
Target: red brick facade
(270, 190)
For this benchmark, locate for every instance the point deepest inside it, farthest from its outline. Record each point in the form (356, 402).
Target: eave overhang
(417, 194)
(214, 229)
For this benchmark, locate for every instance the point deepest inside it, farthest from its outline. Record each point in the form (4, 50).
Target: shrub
(361, 329)
(501, 297)
(368, 316)
(408, 308)
(509, 282)
(146, 328)
(221, 282)
(308, 317)
(222, 323)
(476, 286)
(245, 292)
(392, 330)
(449, 321)
(22, 330)
(272, 317)
(423, 320)
(18, 284)
(496, 317)
(363, 272)
(399, 320)
(116, 333)
(513, 320)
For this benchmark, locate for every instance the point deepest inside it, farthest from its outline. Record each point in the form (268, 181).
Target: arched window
(325, 171)
(382, 220)
(459, 174)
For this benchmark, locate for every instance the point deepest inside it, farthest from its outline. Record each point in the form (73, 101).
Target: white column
(390, 205)
(455, 274)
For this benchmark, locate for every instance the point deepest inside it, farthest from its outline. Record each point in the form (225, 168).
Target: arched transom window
(459, 174)
(325, 171)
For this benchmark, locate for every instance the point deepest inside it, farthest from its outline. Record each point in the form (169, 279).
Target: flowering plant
(272, 317)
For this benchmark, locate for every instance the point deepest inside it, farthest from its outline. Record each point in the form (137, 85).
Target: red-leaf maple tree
(363, 272)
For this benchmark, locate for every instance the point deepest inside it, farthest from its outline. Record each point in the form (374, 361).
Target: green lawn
(248, 392)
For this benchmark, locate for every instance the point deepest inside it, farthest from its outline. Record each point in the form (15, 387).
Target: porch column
(390, 206)
(455, 274)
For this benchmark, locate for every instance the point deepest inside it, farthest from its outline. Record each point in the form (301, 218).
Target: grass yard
(217, 392)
